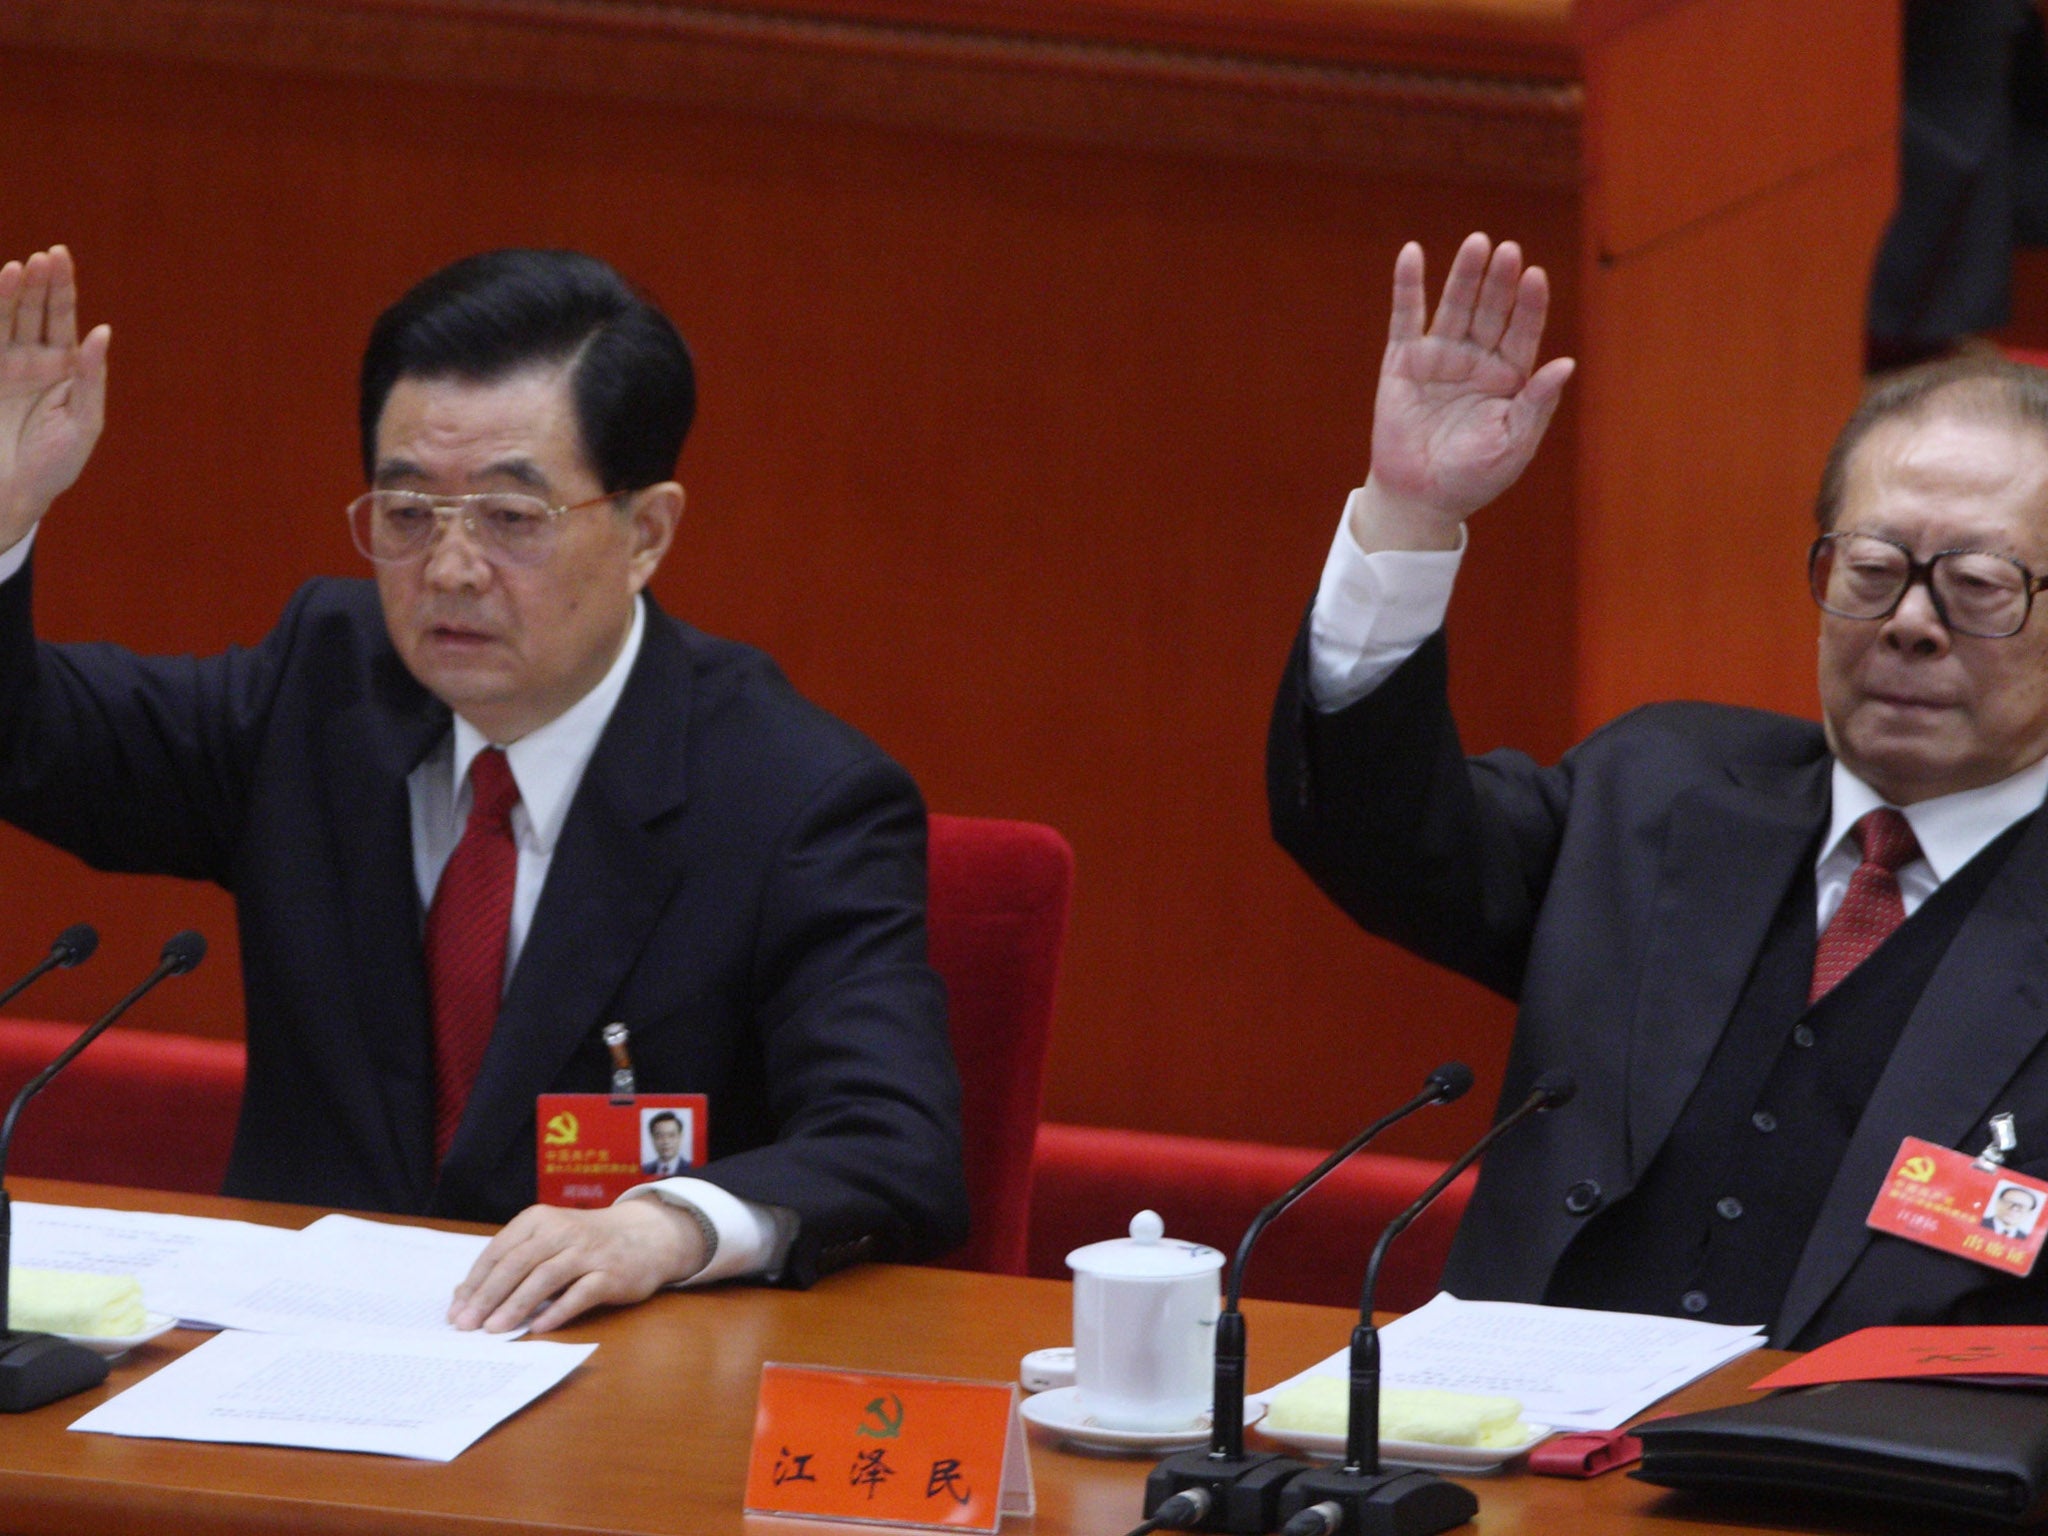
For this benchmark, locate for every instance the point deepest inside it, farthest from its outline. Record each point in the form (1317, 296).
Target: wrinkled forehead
(435, 424)
(1982, 461)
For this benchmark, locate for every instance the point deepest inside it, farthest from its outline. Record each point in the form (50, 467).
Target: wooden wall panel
(1023, 461)
(1699, 504)
(1450, 110)
(1695, 108)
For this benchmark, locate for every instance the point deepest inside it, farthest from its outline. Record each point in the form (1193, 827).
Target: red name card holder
(921, 1451)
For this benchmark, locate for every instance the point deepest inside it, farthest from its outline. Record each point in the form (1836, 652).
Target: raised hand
(1462, 404)
(53, 388)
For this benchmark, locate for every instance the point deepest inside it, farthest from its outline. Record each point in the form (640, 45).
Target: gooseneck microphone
(39, 1368)
(1243, 1491)
(1357, 1498)
(74, 946)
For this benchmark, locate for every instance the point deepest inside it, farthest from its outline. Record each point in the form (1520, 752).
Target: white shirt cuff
(1372, 612)
(753, 1240)
(14, 559)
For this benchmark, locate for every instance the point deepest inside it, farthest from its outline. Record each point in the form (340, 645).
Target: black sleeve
(1445, 856)
(133, 763)
(859, 1066)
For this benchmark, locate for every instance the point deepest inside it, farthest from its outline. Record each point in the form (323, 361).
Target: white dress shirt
(1373, 611)
(548, 765)
(1951, 831)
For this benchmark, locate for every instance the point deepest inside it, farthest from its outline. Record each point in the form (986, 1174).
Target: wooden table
(651, 1434)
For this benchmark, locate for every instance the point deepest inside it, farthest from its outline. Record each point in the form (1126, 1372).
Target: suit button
(1802, 1036)
(1764, 1121)
(1728, 1207)
(1582, 1198)
(1694, 1301)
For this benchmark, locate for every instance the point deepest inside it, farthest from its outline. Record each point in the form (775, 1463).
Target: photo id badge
(1973, 1208)
(593, 1147)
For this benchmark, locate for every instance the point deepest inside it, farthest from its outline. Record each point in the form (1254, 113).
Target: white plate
(114, 1345)
(1060, 1412)
(1414, 1453)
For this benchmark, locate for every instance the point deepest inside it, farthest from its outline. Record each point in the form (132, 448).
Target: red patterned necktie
(1872, 908)
(466, 928)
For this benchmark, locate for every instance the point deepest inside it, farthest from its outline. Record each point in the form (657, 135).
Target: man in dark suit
(1767, 950)
(665, 1131)
(2013, 1210)
(1973, 177)
(498, 800)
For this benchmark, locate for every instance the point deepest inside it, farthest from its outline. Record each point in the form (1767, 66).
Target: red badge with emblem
(1974, 1208)
(593, 1147)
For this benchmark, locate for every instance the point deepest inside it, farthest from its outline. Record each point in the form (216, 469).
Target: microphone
(1357, 1497)
(39, 1368)
(1243, 1491)
(74, 946)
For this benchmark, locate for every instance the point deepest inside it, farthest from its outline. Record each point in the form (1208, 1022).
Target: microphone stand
(1357, 1497)
(74, 946)
(39, 1368)
(1242, 1491)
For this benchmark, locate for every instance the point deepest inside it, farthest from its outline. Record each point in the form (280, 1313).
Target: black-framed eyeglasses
(1975, 592)
(510, 527)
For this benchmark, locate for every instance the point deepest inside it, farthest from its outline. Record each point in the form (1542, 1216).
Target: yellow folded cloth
(61, 1301)
(1322, 1406)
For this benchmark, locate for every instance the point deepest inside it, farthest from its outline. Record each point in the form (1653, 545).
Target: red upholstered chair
(1091, 1182)
(999, 893)
(136, 1107)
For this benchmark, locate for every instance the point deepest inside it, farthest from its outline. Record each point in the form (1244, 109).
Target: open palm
(53, 388)
(1462, 405)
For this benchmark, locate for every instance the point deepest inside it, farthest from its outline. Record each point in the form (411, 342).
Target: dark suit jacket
(740, 880)
(1620, 898)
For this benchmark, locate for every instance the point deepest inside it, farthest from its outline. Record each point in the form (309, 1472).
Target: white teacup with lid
(1145, 1328)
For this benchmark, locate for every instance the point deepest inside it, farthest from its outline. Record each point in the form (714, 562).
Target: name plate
(921, 1451)
(592, 1148)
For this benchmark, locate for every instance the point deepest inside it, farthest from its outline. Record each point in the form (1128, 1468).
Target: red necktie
(466, 929)
(1872, 908)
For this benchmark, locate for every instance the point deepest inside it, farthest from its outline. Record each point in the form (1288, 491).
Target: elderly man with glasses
(476, 812)
(1768, 950)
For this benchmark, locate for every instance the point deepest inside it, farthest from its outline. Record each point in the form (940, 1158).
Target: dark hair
(1982, 387)
(667, 1114)
(490, 316)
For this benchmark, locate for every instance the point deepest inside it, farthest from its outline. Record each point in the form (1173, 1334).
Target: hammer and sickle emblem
(562, 1130)
(1919, 1168)
(876, 1421)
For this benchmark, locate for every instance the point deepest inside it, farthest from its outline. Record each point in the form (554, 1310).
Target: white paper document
(341, 1272)
(391, 1394)
(172, 1256)
(1571, 1369)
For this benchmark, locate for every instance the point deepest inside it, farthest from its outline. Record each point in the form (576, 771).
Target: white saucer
(1059, 1411)
(114, 1345)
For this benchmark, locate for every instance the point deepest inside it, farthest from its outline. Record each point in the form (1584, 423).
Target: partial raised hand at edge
(53, 388)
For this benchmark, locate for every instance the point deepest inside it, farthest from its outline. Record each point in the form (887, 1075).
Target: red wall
(1019, 446)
